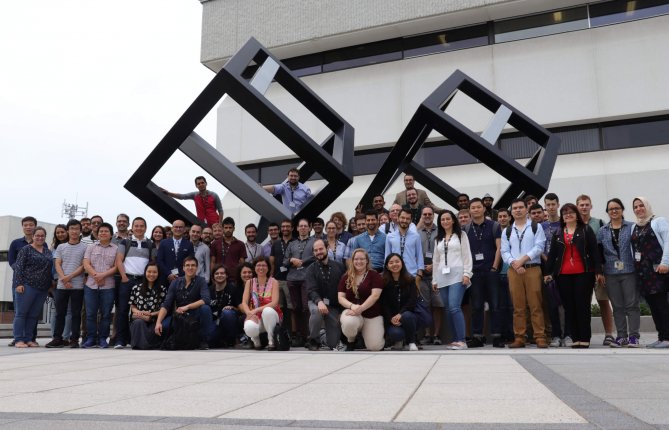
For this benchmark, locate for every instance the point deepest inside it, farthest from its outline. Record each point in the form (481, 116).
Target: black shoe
(476, 342)
(74, 344)
(350, 346)
(55, 343)
(204, 345)
(497, 342)
(297, 341)
(271, 348)
(313, 345)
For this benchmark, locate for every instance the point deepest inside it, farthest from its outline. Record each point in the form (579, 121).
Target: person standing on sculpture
(293, 193)
(208, 206)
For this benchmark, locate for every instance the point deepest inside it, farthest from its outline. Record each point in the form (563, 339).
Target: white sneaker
(662, 345)
(567, 342)
(555, 342)
(413, 347)
(654, 344)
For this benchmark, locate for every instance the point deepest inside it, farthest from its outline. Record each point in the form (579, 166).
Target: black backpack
(281, 338)
(184, 333)
(508, 229)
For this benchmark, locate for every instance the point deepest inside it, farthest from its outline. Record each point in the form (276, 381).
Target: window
(4, 255)
(448, 40)
(362, 55)
(613, 12)
(526, 27)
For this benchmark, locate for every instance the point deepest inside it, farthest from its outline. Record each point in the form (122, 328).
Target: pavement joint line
(413, 393)
(568, 391)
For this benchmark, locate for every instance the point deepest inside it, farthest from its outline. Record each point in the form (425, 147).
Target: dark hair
(84, 219)
(474, 200)
(288, 220)
(138, 218)
(273, 224)
(378, 195)
(371, 212)
(108, 226)
(239, 272)
(406, 280)
(536, 206)
(29, 219)
(318, 220)
(261, 258)
(529, 197)
(519, 201)
(551, 196)
(97, 216)
(462, 195)
(215, 269)
(228, 220)
(127, 218)
(294, 169)
(71, 223)
(615, 200)
(503, 210)
(426, 207)
(145, 283)
(55, 242)
(190, 258)
(360, 216)
(161, 228)
(573, 207)
(405, 210)
(457, 230)
(197, 178)
(251, 225)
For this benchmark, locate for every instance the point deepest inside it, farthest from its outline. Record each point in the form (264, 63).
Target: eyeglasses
(569, 213)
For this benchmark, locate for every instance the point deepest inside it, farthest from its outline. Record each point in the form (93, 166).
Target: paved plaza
(430, 389)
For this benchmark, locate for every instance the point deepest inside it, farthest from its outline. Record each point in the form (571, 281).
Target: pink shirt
(102, 258)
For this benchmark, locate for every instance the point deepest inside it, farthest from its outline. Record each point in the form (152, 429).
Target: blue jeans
(451, 296)
(485, 288)
(102, 301)
(207, 326)
(29, 304)
(406, 331)
(228, 326)
(122, 302)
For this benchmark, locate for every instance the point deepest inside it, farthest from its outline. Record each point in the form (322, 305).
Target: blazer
(168, 259)
(423, 199)
(586, 243)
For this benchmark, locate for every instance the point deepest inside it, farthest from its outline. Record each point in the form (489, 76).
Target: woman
(260, 304)
(157, 234)
(573, 261)
(336, 248)
(59, 236)
(340, 221)
(619, 277)
(398, 302)
(32, 272)
(452, 272)
(145, 301)
(244, 273)
(225, 301)
(358, 293)
(650, 244)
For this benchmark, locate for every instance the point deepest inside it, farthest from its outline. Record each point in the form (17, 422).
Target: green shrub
(594, 309)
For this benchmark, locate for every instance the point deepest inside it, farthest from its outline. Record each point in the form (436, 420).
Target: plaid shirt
(102, 258)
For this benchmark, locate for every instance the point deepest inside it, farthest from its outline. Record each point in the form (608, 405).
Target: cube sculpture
(332, 159)
(533, 178)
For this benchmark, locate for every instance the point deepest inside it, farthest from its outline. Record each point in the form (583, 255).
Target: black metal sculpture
(245, 78)
(533, 178)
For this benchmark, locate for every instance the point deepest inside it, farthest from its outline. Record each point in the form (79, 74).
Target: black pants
(62, 297)
(576, 295)
(659, 309)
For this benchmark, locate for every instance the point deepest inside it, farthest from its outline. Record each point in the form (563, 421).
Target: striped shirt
(71, 258)
(102, 258)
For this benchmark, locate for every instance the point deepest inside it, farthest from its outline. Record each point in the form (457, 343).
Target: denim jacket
(608, 252)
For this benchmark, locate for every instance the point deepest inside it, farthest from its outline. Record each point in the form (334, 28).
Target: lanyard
(520, 237)
(446, 240)
(570, 240)
(253, 255)
(403, 239)
(301, 248)
(639, 233)
(615, 239)
(428, 234)
(479, 237)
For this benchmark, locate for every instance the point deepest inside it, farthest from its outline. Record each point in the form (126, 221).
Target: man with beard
(293, 193)
(207, 235)
(407, 244)
(463, 202)
(321, 280)
(379, 204)
(279, 247)
(273, 233)
(208, 206)
(202, 252)
(86, 231)
(253, 248)
(317, 225)
(490, 213)
(413, 206)
(402, 197)
(227, 250)
(371, 240)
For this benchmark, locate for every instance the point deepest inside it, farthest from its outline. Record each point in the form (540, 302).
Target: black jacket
(322, 284)
(397, 299)
(586, 243)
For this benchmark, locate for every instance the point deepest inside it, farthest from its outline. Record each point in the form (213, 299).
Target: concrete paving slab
(50, 402)
(90, 425)
(652, 411)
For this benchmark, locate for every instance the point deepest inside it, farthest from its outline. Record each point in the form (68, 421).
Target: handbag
(184, 333)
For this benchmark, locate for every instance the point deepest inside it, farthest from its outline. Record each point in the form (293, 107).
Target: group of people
(380, 283)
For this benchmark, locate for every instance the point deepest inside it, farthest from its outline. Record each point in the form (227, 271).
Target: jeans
(228, 326)
(207, 326)
(485, 288)
(74, 299)
(29, 304)
(406, 331)
(98, 301)
(451, 296)
(122, 301)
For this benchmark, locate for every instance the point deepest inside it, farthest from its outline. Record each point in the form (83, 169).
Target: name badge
(637, 256)
(619, 265)
(283, 269)
(291, 204)
(175, 272)
(446, 270)
(300, 268)
(327, 302)
(478, 257)
(428, 255)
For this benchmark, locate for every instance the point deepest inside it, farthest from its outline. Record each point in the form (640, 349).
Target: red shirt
(572, 262)
(228, 255)
(372, 280)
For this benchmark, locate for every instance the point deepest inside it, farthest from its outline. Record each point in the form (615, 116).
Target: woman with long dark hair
(398, 302)
(573, 261)
(145, 301)
(226, 297)
(452, 272)
(157, 235)
(260, 304)
(650, 243)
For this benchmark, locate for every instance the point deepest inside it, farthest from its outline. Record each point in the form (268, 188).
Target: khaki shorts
(433, 298)
(601, 293)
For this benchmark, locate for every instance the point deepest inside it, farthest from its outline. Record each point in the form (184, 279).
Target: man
(69, 265)
(132, 256)
(406, 243)
(96, 222)
(188, 293)
(484, 242)
(360, 226)
(122, 224)
(379, 204)
(537, 213)
(217, 232)
(413, 205)
(530, 200)
(551, 306)
(317, 225)
(253, 248)
(521, 250)
(208, 208)
(584, 205)
(321, 280)
(228, 250)
(207, 236)
(273, 233)
(86, 231)
(371, 240)
(173, 252)
(463, 201)
(202, 252)
(28, 225)
(298, 256)
(503, 218)
(100, 265)
(427, 230)
(294, 194)
(464, 217)
(393, 224)
(490, 213)
(402, 199)
(280, 271)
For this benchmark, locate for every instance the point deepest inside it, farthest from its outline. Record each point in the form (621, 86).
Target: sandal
(20, 345)
(33, 344)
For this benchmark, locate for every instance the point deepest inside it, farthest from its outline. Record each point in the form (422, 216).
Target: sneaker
(55, 343)
(74, 344)
(567, 342)
(555, 342)
(313, 345)
(620, 342)
(633, 342)
(90, 343)
(427, 340)
(119, 346)
(203, 346)
(103, 344)
(413, 347)
(458, 346)
(476, 342)
(498, 342)
(12, 343)
(654, 344)
(662, 345)
(436, 340)
(608, 340)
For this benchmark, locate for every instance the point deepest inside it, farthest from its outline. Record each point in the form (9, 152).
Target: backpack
(281, 338)
(508, 229)
(184, 333)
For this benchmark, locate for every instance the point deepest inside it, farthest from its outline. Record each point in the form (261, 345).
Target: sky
(87, 90)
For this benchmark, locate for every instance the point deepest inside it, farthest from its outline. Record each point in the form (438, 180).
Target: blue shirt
(624, 251)
(408, 247)
(376, 248)
(523, 242)
(483, 241)
(293, 199)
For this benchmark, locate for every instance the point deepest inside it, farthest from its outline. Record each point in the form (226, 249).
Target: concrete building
(592, 72)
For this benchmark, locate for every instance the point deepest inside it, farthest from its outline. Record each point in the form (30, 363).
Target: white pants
(268, 321)
(372, 330)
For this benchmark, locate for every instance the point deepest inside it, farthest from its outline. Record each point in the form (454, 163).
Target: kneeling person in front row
(188, 293)
(260, 304)
(321, 280)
